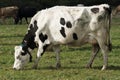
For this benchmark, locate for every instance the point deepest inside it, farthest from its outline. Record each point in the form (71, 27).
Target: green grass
(73, 60)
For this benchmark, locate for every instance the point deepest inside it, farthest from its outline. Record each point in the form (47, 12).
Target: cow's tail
(109, 44)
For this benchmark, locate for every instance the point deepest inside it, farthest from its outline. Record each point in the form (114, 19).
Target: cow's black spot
(75, 36)
(29, 41)
(29, 37)
(25, 47)
(35, 26)
(30, 59)
(100, 18)
(26, 51)
(35, 22)
(62, 31)
(68, 24)
(62, 21)
(43, 37)
(23, 53)
(31, 26)
(108, 10)
(95, 10)
(44, 48)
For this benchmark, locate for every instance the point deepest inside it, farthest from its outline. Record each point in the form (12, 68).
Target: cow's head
(21, 56)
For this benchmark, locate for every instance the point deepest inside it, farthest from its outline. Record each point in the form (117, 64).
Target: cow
(64, 25)
(25, 12)
(6, 12)
(116, 10)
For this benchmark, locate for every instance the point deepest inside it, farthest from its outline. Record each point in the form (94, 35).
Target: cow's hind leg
(95, 50)
(105, 49)
(105, 56)
(57, 51)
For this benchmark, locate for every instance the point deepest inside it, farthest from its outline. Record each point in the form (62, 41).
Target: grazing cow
(25, 12)
(116, 10)
(8, 12)
(62, 25)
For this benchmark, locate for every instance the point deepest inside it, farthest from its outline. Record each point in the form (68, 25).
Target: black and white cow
(63, 25)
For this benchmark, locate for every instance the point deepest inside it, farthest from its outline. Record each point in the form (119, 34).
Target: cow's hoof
(103, 68)
(58, 65)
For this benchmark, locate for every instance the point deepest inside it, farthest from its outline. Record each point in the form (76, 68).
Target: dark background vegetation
(40, 4)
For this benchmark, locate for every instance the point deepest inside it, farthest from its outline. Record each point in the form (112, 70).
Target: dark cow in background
(25, 12)
(6, 12)
(116, 10)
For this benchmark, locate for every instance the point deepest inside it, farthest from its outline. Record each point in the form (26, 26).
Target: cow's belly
(85, 40)
(71, 42)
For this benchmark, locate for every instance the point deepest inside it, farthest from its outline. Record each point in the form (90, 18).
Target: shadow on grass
(73, 67)
(54, 68)
(79, 48)
(8, 44)
(111, 67)
(69, 68)
(11, 36)
(116, 47)
(12, 43)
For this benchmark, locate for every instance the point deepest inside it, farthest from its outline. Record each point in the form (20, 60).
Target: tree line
(40, 4)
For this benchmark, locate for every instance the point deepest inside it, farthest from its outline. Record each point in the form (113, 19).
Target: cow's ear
(17, 47)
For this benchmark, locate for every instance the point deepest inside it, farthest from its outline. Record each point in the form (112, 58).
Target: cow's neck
(28, 42)
(26, 49)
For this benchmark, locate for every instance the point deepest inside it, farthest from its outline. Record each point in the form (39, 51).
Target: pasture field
(73, 60)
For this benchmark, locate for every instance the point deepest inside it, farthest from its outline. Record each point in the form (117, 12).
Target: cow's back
(60, 24)
(70, 25)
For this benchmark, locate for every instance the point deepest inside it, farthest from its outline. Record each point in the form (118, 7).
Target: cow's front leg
(39, 55)
(57, 52)
(95, 50)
